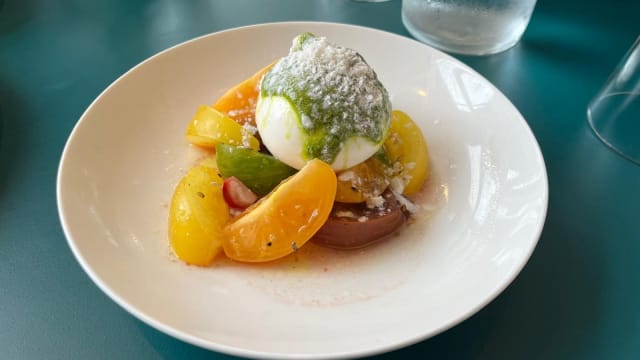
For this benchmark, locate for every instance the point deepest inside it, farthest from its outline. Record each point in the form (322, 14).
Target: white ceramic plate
(486, 205)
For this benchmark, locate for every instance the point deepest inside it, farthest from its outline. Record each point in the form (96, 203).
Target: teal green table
(577, 298)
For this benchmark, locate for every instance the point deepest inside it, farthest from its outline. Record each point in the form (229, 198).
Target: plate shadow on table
(14, 13)
(171, 348)
(10, 132)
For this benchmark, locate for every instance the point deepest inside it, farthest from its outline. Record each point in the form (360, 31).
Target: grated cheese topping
(336, 93)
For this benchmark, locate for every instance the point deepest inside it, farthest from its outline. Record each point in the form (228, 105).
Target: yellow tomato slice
(197, 215)
(286, 218)
(360, 182)
(240, 101)
(210, 127)
(407, 146)
(211, 162)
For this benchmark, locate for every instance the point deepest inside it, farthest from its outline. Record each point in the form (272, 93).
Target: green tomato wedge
(260, 172)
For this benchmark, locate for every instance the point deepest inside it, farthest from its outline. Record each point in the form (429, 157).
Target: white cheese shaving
(375, 202)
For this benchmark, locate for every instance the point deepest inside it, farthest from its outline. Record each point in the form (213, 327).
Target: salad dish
(308, 148)
(480, 203)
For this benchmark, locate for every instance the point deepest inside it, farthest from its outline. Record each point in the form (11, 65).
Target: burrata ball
(322, 101)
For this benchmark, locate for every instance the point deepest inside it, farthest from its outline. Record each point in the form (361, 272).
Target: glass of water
(614, 113)
(470, 27)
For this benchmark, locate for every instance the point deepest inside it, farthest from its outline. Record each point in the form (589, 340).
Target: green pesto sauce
(289, 80)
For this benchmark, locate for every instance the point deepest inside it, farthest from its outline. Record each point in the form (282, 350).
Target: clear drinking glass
(472, 27)
(614, 113)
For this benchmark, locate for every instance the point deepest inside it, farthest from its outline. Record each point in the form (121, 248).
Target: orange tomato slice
(239, 102)
(285, 219)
